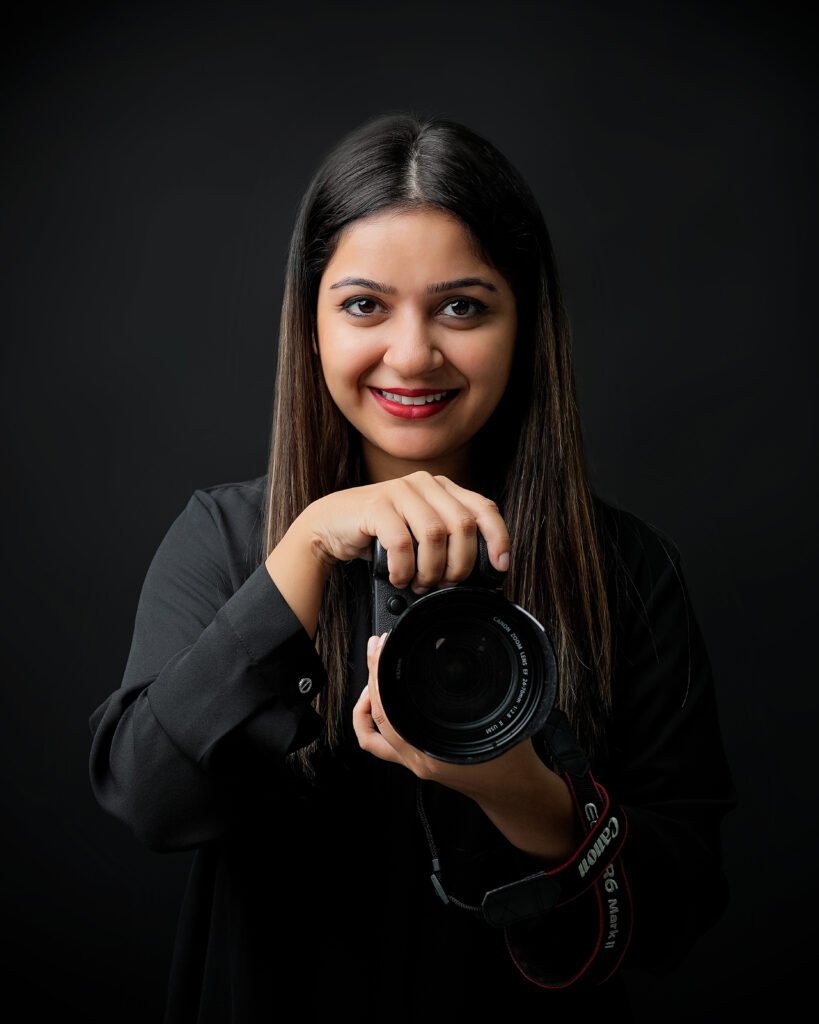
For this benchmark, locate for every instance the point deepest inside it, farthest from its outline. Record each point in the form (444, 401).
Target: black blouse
(315, 897)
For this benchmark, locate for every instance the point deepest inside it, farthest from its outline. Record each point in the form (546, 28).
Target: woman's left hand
(376, 735)
(527, 801)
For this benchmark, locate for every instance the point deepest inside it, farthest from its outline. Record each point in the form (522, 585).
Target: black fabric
(317, 896)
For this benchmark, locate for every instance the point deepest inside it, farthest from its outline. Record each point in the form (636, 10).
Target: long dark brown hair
(530, 452)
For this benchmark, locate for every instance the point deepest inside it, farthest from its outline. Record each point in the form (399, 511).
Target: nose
(410, 349)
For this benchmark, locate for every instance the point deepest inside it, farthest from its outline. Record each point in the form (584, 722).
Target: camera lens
(465, 674)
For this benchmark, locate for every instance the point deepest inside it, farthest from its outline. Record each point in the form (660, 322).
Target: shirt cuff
(254, 649)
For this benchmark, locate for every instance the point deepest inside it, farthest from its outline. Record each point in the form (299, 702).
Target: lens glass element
(466, 669)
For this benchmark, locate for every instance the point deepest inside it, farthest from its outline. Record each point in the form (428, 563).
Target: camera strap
(595, 868)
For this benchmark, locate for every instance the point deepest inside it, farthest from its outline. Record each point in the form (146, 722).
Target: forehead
(403, 240)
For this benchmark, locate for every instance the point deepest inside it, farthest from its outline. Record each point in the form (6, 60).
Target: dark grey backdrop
(154, 156)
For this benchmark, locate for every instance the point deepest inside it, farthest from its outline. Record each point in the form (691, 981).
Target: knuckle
(402, 483)
(402, 546)
(468, 525)
(491, 505)
(435, 533)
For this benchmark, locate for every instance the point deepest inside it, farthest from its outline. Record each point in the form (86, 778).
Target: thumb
(374, 645)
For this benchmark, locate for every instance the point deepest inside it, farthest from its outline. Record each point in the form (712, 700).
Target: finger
(377, 712)
(427, 526)
(368, 736)
(386, 521)
(445, 529)
(461, 537)
(365, 722)
(489, 521)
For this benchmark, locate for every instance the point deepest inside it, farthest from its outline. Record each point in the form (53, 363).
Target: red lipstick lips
(411, 411)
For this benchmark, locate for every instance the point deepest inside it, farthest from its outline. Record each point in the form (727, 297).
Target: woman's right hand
(442, 516)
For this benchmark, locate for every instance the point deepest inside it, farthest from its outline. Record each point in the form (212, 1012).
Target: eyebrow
(433, 289)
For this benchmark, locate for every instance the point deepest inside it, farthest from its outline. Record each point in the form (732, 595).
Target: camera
(465, 674)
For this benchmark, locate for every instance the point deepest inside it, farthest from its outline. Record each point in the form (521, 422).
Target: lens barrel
(466, 674)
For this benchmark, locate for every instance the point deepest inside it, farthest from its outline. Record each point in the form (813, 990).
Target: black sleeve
(216, 690)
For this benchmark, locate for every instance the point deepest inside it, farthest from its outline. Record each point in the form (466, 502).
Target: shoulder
(232, 499)
(641, 565)
(235, 511)
(632, 541)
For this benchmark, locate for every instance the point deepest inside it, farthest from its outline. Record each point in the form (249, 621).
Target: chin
(412, 453)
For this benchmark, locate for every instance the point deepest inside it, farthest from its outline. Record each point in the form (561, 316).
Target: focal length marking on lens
(512, 711)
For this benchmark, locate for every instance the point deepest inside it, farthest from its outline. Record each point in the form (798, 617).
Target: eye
(347, 306)
(478, 306)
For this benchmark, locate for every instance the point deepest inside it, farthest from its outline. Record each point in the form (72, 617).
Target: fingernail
(372, 643)
(383, 638)
(503, 561)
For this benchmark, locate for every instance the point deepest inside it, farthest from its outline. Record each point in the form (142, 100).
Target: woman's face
(415, 336)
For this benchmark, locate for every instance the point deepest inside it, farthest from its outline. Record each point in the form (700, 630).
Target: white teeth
(407, 400)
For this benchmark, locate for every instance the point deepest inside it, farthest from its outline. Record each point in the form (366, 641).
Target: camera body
(464, 674)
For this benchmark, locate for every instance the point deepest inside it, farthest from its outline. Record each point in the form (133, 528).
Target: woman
(424, 392)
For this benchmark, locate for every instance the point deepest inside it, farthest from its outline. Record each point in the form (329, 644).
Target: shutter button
(305, 685)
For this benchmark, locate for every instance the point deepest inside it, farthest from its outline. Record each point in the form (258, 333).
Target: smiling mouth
(418, 399)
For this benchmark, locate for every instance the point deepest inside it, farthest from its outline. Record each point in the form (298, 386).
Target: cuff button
(305, 685)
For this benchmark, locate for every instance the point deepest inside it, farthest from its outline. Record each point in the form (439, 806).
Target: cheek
(504, 357)
(491, 368)
(343, 360)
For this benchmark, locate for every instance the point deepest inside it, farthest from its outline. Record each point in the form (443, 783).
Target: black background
(154, 157)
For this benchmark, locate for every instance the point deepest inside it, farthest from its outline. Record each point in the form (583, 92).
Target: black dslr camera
(465, 674)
